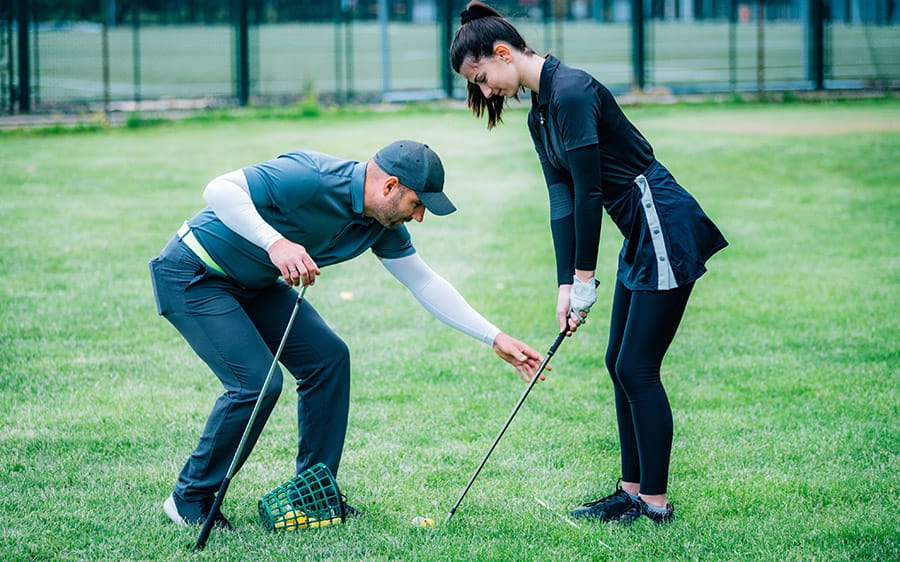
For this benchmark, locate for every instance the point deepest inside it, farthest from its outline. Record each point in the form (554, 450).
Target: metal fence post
(638, 51)
(343, 73)
(10, 98)
(384, 21)
(6, 60)
(348, 48)
(445, 17)
(558, 35)
(136, 49)
(104, 55)
(23, 25)
(732, 44)
(815, 43)
(338, 63)
(760, 47)
(243, 53)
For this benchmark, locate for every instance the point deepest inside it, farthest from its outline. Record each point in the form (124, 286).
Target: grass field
(784, 378)
(196, 61)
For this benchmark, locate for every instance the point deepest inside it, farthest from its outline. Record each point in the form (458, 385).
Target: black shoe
(630, 515)
(656, 517)
(605, 509)
(349, 510)
(219, 521)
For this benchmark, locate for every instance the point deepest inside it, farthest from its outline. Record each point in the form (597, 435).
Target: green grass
(783, 377)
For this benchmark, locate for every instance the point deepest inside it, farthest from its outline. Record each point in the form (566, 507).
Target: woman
(593, 159)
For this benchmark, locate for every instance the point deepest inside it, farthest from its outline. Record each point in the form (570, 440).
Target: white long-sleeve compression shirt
(229, 197)
(440, 298)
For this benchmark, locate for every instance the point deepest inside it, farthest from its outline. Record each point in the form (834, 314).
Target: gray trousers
(236, 331)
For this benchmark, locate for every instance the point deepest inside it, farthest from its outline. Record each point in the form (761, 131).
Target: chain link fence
(128, 53)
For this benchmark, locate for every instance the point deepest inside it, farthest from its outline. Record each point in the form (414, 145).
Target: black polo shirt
(573, 110)
(590, 154)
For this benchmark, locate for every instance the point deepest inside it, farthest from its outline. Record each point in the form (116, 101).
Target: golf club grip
(211, 516)
(550, 352)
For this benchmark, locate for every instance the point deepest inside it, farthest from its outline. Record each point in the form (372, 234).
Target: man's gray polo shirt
(312, 199)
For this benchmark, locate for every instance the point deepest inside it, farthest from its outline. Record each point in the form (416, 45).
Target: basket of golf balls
(307, 501)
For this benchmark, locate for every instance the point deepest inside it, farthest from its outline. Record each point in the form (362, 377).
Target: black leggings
(641, 329)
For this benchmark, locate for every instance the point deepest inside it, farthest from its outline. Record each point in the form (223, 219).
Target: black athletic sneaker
(656, 517)
(219, 521)
(631, 514)
(640, 507)
(605, 509)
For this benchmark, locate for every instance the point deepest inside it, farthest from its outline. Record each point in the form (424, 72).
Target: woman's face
(494, 75)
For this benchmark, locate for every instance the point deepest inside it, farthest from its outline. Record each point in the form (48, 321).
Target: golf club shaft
(207, 525)
(531, 384)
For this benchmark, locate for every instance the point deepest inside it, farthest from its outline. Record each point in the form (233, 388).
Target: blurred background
(131, 54)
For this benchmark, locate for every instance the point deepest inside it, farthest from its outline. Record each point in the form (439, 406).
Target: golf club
(534, 379)
(207, 525)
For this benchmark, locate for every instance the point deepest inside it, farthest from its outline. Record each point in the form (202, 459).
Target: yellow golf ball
(324, 522)
(422, 522)
(291, 520)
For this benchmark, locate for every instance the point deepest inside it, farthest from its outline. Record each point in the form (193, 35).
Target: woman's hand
(568, 321)
(582, 297)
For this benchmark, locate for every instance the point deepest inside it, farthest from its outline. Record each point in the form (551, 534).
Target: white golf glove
(583, 297)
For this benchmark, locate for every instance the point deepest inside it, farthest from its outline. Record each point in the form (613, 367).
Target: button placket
(665, 275)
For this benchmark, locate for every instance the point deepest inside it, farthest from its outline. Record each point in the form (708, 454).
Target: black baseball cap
(419, 168)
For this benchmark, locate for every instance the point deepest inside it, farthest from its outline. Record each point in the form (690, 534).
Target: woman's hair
(480, 28)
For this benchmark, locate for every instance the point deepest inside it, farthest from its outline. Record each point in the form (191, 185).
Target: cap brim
(436, 202)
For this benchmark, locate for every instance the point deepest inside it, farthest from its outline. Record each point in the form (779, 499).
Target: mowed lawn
(783, 378)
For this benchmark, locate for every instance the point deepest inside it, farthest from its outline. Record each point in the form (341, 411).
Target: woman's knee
(611, 360)
(635, 375)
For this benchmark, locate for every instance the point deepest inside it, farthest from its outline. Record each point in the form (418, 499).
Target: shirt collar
(357, 182)
(548, 71)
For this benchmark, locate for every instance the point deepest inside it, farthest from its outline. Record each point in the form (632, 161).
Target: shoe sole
(172, 512)
(601, 518)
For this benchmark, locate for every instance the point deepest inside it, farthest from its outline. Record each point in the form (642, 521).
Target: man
(225, 281)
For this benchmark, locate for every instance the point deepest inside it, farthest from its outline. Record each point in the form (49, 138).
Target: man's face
(400, 206)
